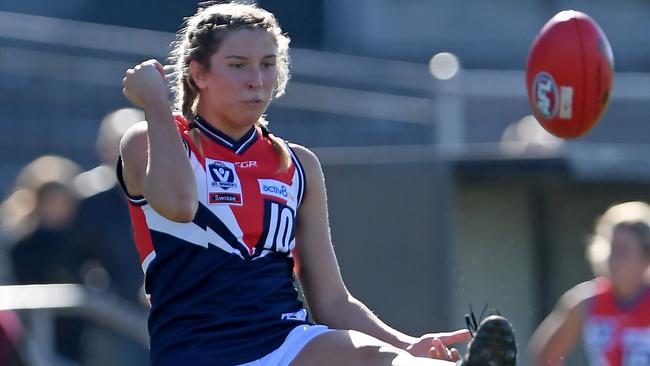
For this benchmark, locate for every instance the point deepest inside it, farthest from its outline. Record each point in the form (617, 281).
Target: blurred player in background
(221, 207)
(611, 313)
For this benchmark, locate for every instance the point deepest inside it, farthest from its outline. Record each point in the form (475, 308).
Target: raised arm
(320, 277)
(155, 162)
(558, 334)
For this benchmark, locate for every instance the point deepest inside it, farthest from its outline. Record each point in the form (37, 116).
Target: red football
(569, 74)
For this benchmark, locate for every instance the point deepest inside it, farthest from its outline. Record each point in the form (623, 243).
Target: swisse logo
(222, 183)
(546, 94)
(229, 198)
(275, 190)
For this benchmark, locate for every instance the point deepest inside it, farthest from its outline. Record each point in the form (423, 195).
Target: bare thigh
(352, 348)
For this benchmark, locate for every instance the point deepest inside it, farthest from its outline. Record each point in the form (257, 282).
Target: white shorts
(288, 350)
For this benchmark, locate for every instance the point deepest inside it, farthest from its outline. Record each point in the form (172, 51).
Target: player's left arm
(329, 300)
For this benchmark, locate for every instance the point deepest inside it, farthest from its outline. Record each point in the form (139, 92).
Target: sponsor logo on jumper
(231, 198)
(223, 182)
(246, 164)
(298, 315)
(275, 188)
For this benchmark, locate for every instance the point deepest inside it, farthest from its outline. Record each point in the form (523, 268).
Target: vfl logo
(222, 176)
(546, 94)
(223, 184)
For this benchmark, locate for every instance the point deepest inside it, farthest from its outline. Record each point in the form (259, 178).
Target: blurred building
(85, 57)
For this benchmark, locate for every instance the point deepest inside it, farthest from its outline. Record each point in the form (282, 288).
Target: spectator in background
(102, 233)
(102, 228)
(611, 313)
(37, 218)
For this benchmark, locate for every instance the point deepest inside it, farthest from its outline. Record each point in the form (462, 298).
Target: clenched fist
(145, 84)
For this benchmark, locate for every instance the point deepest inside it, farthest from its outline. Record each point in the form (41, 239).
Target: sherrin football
(569, 74)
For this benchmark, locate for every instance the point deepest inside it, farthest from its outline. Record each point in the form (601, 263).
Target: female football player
(610, 314)
(222, 208)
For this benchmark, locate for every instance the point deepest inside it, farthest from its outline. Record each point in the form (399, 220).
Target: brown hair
(201, 36)
(634, 216)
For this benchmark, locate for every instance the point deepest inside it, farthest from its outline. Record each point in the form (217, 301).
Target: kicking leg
(352, 348)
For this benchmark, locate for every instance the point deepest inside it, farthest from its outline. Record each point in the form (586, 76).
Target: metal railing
(41, 304)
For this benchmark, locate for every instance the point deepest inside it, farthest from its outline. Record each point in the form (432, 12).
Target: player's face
(627, 261)
(243, 73)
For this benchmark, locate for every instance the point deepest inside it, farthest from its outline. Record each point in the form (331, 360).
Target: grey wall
(390, 227)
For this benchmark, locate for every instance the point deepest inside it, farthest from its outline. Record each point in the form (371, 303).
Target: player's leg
(493, 344)
(352, 348)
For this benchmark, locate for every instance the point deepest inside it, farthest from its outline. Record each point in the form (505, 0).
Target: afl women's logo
(222, 176)
(546, 94)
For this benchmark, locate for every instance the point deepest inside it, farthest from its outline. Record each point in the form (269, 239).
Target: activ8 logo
(275, 188)
(546, 94)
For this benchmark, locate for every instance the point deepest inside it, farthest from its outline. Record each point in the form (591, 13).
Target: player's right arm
(558, 334)
(155, 162)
